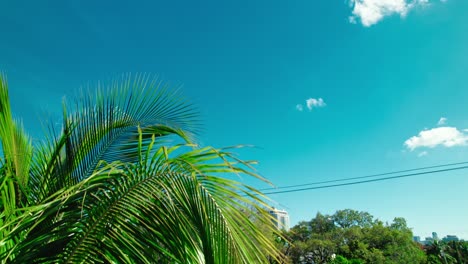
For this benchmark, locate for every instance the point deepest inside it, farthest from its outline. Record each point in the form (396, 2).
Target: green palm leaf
(104, 127)
(15, 165)
(123, 184)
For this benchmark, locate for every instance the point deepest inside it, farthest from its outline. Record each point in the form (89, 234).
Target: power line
(364, 177)
(367, 181)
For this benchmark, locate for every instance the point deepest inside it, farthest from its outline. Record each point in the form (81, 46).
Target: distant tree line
(353, 237)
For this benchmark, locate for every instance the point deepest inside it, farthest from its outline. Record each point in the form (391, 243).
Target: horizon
(324, 90)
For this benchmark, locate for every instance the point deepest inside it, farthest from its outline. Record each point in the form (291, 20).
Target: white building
(280, 218)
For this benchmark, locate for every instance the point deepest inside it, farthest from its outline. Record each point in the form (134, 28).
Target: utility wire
(367, 181)
(364, 177)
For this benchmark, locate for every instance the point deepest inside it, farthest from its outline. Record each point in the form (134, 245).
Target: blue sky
(378, 75)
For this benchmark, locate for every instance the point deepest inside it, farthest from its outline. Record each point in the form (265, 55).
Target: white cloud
(422, 154)
(442, 121)
(299, 107)
(369, 12)
(444, 136)
(315, 103)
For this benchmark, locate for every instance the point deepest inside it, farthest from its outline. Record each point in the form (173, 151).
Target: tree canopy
(351, 236)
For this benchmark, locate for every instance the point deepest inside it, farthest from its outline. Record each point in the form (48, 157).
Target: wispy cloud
(440, 136)
(311, 103)
(422, 154)
(370, 12)
(442, 121)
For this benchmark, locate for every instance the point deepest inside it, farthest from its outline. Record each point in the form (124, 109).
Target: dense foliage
(354, 237)
(123, 182)
(440, 252)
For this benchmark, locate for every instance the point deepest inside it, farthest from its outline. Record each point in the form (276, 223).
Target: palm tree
(123, 182)
(440, 250)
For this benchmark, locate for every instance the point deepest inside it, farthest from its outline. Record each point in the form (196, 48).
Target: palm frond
(123, 182)
(15, 164)
(104, 127)
(155, 211)
(16, 145)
